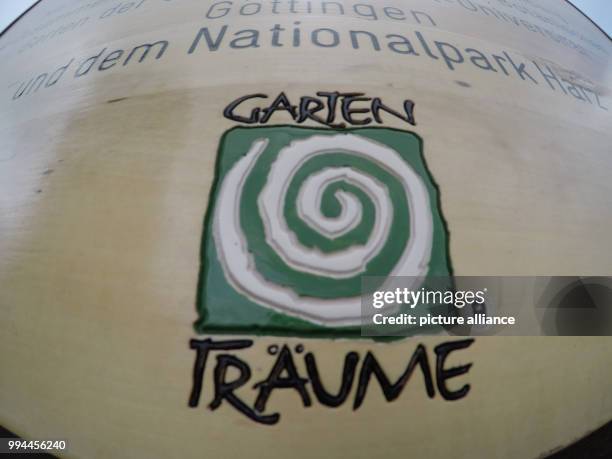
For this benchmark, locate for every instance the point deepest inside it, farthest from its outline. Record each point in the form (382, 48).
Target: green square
(298, 215)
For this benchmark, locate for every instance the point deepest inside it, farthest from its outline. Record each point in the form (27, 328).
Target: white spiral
(236, 259)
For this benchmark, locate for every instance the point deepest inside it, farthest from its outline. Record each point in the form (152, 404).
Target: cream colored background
(98, 269)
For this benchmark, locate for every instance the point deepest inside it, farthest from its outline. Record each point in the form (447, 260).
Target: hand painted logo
(298, 215)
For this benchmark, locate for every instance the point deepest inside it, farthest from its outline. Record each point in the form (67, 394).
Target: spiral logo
(295, 228)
